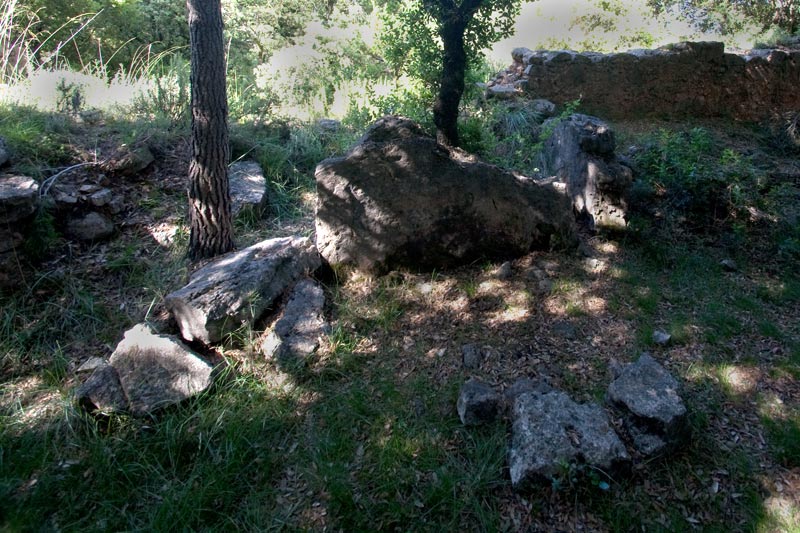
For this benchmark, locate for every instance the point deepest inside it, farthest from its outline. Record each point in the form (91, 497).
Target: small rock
(478, 403)
(545, 286)
(728, 265)
(550, 430)
(655, 414)
(661, 337)
(328, 125)
(564, 329)
(90, 227)
(471, 356)
(131, 162)
(88, 188)
(297, 333)
(544, 108)
(101, 197)
(248, 188)
(504, 271)
(157, 370)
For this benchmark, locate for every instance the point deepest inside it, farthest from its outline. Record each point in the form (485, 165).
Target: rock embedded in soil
(400, 199)
(248, 188)
(156, 371)
(471, 356)
(654, 413)
(296, 334)
(19, 197)
(661, 337)
(478, 403)
(551, 430)
(237, 288)
(90, 227)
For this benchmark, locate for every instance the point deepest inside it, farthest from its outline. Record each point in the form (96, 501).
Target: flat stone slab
(551, 430)
(157, 370)
(102, 392)
(19, 196)
(248, 188)
(655, 414)
(237, 288)
(296, 334)
(92, 226)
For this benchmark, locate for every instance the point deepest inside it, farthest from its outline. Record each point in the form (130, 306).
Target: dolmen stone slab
(146, 372)
(237, 288)
(551, 430)
(478, 403)
(580, 153)
(296, 334)
(654, 413)
(400, 199)
(91, 226)
(248, 188)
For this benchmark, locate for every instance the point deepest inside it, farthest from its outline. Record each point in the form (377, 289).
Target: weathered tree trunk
(209, 198)
(453, 22)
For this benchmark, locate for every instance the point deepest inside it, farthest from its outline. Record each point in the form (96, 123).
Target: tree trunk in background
(453, 21)
(209, 197)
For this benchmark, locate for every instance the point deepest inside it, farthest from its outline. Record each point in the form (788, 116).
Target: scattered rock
(545, 108)
(502, 92)
(655, 414)
(580, 153)
(102, 392)
(90, 227)
(661, 337)
(551, 430)
(328, 125)
(19, 196)
(478, 403)
(130, 162)
(471, 356)
(101, 197)
(297, 332)
(728, 265)
(238, 287)
(564, 330)
(248, 188)
(157, 370)
(398, 198)
(544, 286)
(504, 271)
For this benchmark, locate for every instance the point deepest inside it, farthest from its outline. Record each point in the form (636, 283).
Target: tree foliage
(730, 16)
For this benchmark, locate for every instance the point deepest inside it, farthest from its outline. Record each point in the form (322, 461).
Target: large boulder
(146, 372)
(550, 431)
(654, 413)
(580, 154)
(398, 198)
(296, 334)
(237, 288)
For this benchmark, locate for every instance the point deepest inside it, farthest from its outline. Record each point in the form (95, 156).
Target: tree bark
(453, 22)
(209, 197)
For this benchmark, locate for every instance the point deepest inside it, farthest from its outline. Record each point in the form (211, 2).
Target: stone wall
(684, 79)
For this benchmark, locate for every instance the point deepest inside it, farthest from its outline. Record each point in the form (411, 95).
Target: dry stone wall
(683, 79)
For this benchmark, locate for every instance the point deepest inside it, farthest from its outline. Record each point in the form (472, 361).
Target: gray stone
(101, 197)
(661, 337)
(502, 92)
(4, 152)
(19, 196)
(157, 370)
(525, 385)
(400, 199)
(91, 364)
(238, 287)
(130, 162)
(102, 392)
(296, 334)
(90, 227)
(729, 265)
(471, 356)
(544, 286)
(545, 108)
(580, 153)
(551, 430)
(329, 125)
(248, 188)
(504, 271)
(478, 403)
(655, 414)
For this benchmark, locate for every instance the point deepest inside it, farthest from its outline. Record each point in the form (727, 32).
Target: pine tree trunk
(209, 198)
(445, 109)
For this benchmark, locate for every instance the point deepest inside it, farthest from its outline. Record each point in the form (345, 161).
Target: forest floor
(367, 438)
